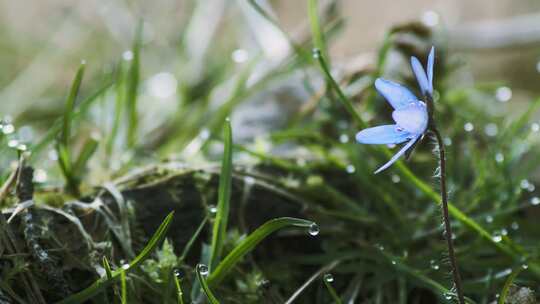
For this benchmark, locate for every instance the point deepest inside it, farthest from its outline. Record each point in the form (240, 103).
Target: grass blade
(335, 86)
(179, 292)
(224, 197)
(508, 283)
(251, 241)
(204, 285)
(316, 31)
(70, 104)
(132, 87)
(327, 279)
(192, 239)
(102, 283)
(123, 286)
(57, 125)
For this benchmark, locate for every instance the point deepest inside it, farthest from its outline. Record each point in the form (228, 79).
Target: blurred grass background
(163, 93)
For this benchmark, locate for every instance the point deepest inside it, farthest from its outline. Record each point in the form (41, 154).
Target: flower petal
(430, 63)
(397, 155)
(420, 75)
(413, 118)
(397, 95)
(387, 134)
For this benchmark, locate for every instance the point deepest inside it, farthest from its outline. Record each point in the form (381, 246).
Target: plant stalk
(447, 227)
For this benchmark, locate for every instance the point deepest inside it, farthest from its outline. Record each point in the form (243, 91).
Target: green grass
(244, 207)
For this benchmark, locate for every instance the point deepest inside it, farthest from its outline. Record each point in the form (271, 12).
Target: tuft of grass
(104, 282)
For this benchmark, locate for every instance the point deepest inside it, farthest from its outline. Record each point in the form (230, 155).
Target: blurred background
(42, 42)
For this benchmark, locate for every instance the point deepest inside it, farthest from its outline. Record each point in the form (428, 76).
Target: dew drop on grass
(316, 53)
(499, 157)
(125, 266)
(202, 269)
(514, 225)
(433, 264)
(344, 138)
(350, 169)
(535, 201)
(524, 266)
(535, 127)
(504, 232)
(212, 209)
(524, 184)
(127, 55)
(496, 238)
(448, 295)
(395, 178)
(503, 94)
(12, 143)
(468, 127)
(394, 262)
(8, 129)
(491, 129)
(313, 229)
(329, 278)
(447, 141)
(489, 219)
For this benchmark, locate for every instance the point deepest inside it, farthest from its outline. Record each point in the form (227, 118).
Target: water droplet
(228, 119)
(491, 129)
(344, 138)
(162, 85)
(21, 147)
(40, 176)
(434, 265)
(316, 53)
(489, 219)
(503, 94)
(329, 278)
(212, 209)
(177, 273)
(535, 201)
(350, 169)
(514, 225)
(447, 141)
(380, 247)
(504, 231)
(524, 266)
(394, 262)
(535, 127)
(125, 266)
(448, 295)
(531, 188)
(8, 129)
(524, 184)
(499, 157)
(313, 229)
(127, 55)
(249, 180)
(496, 238)
(395, 178)
(240, 55)
(202, 269)
(430, 18)
(468, 127)
(12, 143)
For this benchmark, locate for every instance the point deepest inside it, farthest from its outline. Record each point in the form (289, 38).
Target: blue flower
(410, 113)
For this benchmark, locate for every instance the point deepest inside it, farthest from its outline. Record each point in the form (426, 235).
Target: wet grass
(280, 203)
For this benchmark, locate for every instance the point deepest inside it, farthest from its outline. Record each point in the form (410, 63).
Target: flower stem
(447, 227)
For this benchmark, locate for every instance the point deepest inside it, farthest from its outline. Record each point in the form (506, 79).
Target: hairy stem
(447, 227)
